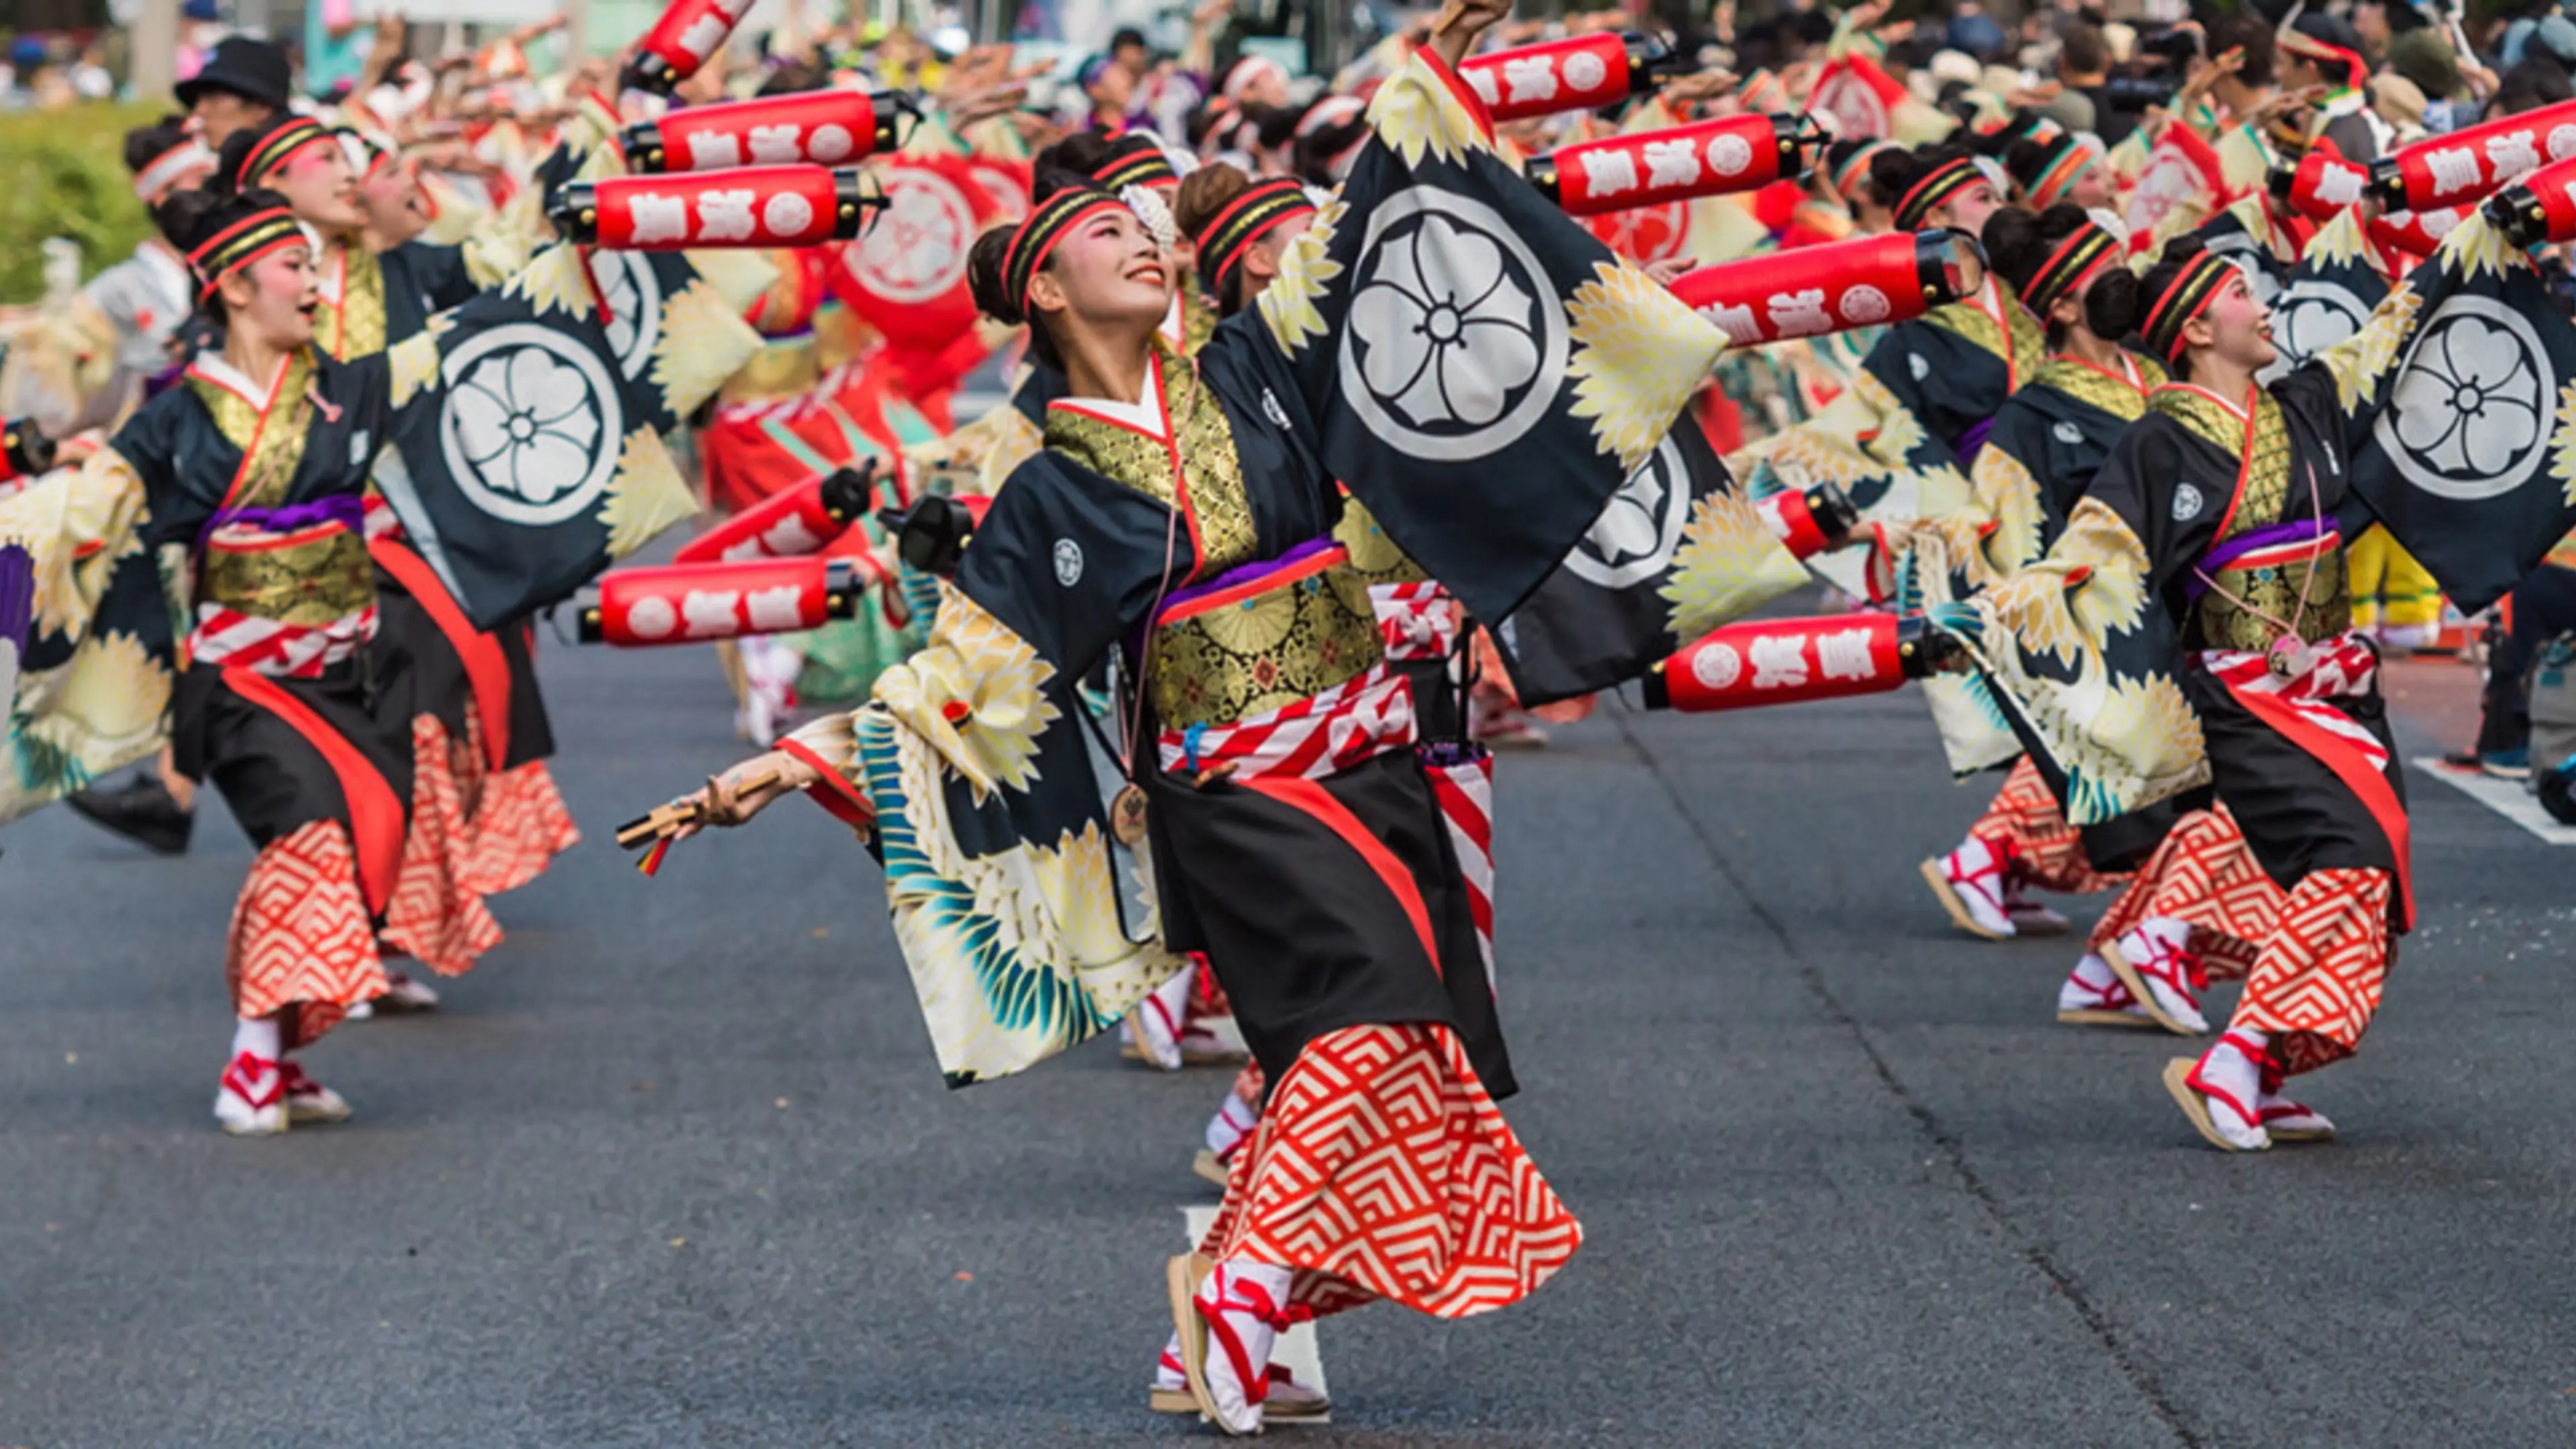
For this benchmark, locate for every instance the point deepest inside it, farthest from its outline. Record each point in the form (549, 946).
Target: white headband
(164, 170)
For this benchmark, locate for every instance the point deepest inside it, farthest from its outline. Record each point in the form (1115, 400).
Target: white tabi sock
(1232, 1123)
(259, 1037)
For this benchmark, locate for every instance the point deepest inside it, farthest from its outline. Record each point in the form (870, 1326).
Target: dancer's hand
(727, 800)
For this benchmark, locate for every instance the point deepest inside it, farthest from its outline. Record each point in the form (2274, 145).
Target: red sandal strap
(242, 1073)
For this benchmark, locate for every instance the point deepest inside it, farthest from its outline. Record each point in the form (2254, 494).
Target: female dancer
(1180, 512)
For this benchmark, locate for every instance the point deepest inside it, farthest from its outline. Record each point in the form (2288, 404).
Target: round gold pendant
(1127, 815)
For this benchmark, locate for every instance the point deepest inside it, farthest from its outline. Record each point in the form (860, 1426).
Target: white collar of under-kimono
(1175, 322)
(332, 267)
(1990, 300)
(1145, 415)
(213, 368)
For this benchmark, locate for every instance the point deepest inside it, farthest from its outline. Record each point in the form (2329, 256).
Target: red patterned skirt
(1382, 1169)
(2025, 827)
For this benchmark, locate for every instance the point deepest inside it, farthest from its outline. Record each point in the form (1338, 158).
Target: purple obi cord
(1972, 441)
(1243, 574)
(17, 595)
(345, 509)
(2304, 530)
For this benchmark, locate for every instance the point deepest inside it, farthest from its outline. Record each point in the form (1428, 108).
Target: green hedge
(62, 173)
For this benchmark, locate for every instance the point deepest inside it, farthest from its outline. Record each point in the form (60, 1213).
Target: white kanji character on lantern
(2455, 169)
(1530, 78)
(775, 611)
(1671, 163)
(725, 215)
(714, 150)
(703, 35)
(777, 145)
(1481, 78)
(2341, 186)
(2512, 154)
(658, 217)
(710, 612)
(788, 538)
(1736, 322)
(1799, 314)
(1608, 173)
(1845, 654)
(1779, 661)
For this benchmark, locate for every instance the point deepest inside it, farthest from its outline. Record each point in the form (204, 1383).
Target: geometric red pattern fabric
(516, 830)
(2318, 980)
(1382, 1169)
(435, 917)
(2028, 829)
(301, 941)
(2206, 876)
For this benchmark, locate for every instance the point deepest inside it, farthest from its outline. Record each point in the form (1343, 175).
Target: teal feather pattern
(1027, 999)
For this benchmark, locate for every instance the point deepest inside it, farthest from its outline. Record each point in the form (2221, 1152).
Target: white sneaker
(308, 1100)
(1243, 1306)
(2166, 979)
(1152, 1032)
(2093, 996)
(403, 995)
(1969, 882)
(2219, 1092)
(251, 1099)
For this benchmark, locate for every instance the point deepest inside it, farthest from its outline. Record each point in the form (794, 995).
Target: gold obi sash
(1261, 636)
(312, 576)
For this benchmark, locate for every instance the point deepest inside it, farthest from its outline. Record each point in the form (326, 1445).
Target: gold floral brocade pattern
(1289, 641)
(2241, 610)
(312, 581)
(1218, 505)
(276, 450)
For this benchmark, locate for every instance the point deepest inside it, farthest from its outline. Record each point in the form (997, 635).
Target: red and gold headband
(2188, 296)
(1855, 165)
(242, 243)
(1047, 224)
(1137, 160)
(1943, 182)
(2086, 250)
(279, 147)
(1245, 220)
(2059, 174)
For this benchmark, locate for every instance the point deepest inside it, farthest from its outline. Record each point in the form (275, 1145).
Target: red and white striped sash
(1346, 725)
(2344, 667)
(276, 648)
(1415, 621)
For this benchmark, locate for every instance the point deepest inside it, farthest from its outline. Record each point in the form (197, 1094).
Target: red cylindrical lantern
(752, 206)
(791, 523)
(1782, 661)
(1810, 521)
(693, 603)
(2416, 233)
(688, 32)
(24, 452)
(2321, 185)
(1649, 168)
(1579, 73)
(819, 128)
(2464, 165)
(1812, 290)
(2539, 208)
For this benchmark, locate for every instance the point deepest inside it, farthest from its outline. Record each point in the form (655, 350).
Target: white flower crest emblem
(2468, 417)
(917, 249)
(1639, 529)
(1450, 350)
(531, 426)
(632, 293)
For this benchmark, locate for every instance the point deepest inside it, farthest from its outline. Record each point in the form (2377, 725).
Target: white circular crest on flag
(2562, 142)
(1584, 71)
(532, 425)
(1853, 105)
(631, 291)
(2468, 417)
(787, 214)
(1864, 304)
(1010, 196)
(1717, 666)
(2069, 434)
(652, 617)
(1068, 562)
(828, 144)
(1456, 345)
(2186, 503)
(2312, 315)
(1729, 154)
(1641, 526)
(916, 249)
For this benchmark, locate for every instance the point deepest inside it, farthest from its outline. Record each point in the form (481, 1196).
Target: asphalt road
(674, 1168)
